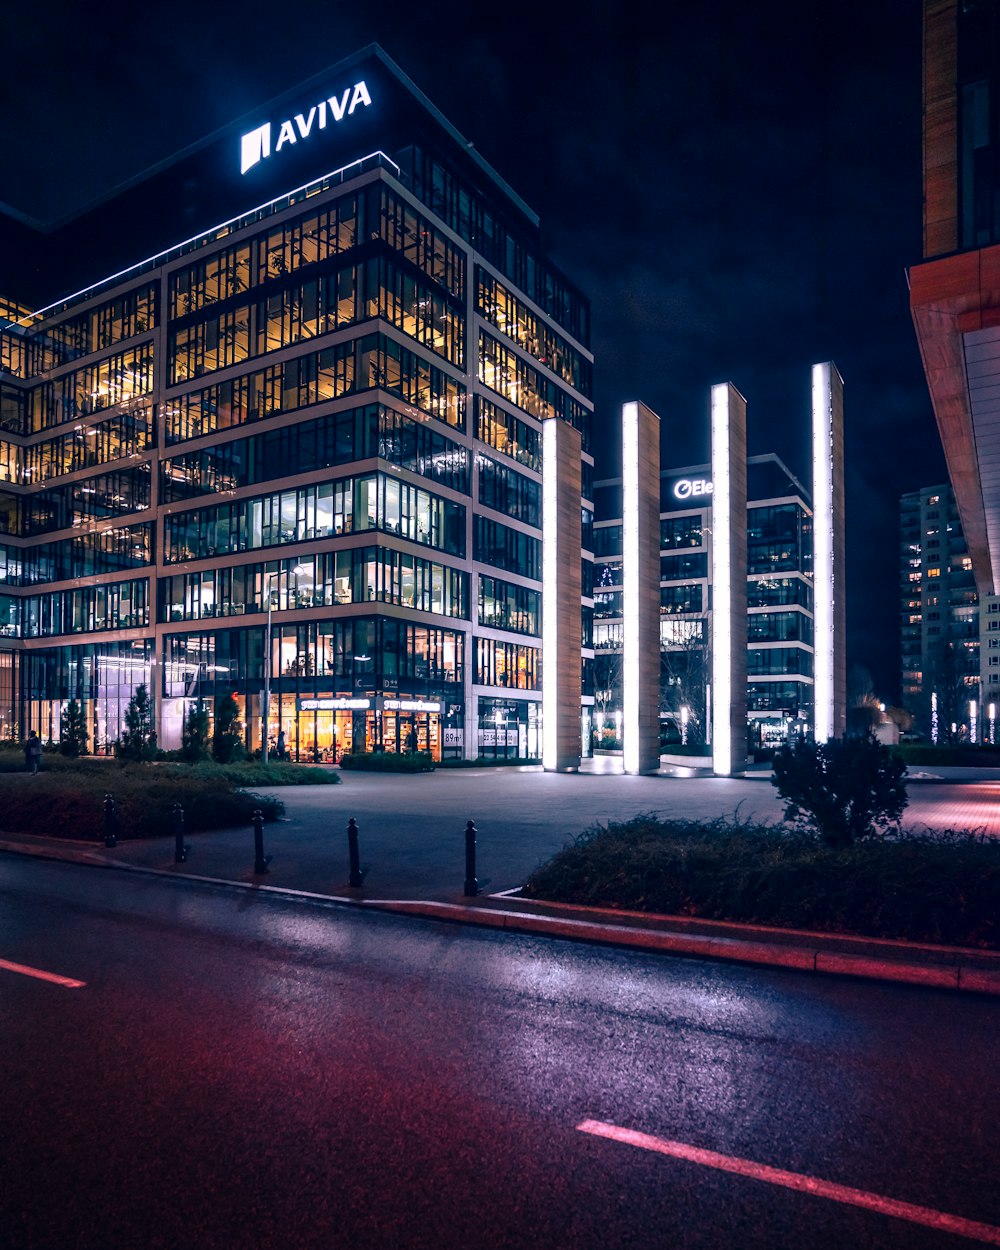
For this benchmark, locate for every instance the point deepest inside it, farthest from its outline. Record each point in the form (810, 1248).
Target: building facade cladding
(779, 605)
(330, 407)
(940, 613)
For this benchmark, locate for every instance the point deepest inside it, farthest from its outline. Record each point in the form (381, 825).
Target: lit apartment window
(933, 499)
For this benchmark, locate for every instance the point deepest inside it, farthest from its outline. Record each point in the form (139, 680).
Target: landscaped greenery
(389, 762)
(68, 802)
(921, 754)
(922, 887)
(487, 761)
(66, 798)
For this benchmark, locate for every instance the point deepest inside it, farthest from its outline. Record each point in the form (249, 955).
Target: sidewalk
(412, 847)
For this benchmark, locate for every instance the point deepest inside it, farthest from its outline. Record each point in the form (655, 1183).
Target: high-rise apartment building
(295, 455)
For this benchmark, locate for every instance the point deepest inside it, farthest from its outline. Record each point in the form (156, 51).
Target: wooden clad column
(729, 580)
(562, 620)
(829, 549)
(641, 587)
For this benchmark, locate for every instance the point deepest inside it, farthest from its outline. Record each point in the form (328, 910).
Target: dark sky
(735, 186)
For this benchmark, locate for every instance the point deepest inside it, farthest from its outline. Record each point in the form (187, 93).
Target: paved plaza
(412, 827)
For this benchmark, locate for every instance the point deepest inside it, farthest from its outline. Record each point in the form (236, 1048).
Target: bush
(275, 773)
(227, 736)
(69, 803)
(844, 789)
(921, 887)
(194, 735)
(389, 762)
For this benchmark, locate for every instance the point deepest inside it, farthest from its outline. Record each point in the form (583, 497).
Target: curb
(803, 956)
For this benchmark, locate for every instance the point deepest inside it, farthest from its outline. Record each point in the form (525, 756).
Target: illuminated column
(829, 546)
(729, 580)
(562, 535)
(641, 588)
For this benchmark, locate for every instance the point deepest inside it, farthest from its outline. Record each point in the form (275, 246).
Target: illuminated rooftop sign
(255, 146)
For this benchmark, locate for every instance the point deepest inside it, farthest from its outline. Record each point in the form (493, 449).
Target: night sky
(735, 186)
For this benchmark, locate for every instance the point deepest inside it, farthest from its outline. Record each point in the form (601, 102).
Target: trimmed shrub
(915, 886)
(485, 761)
(844, 789)
(69, 804)
(389, 762)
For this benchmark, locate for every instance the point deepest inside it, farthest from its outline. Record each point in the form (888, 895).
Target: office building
(780, 601)
(294, 454)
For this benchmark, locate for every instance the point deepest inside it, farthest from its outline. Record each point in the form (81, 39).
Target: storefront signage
(692, 487)
(333, 705)
(255, 146)
(411, 705)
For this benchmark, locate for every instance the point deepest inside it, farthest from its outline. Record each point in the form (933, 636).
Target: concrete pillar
(829, 549)
(729, 580)
(641, 586)
(562, 584)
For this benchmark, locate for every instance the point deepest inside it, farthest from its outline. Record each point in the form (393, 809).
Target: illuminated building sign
(333, 705)
(255, 146)
(411, 705)
(692, 487)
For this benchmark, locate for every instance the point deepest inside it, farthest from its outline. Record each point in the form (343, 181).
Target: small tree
(194, 735)
(137, 741)
(73, 730)
(227, 737)
(843, 789)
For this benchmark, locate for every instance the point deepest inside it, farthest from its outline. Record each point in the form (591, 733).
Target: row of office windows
(123, 434)
(355, 653)
(86, 609)
(107, 495)
(507, 548)
(504, 371)
(512, 317)
(508, 434)
(117, 379)
(510, 492)
(472, 218)
(359, 365)
(123, 317)
(315, 237)
(112, 549)
(510, 664)
(337, 438)
(323, 510)
(372, 288)
(504, 605)
(356, 575)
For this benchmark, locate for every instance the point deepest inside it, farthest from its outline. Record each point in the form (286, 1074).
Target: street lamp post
(266, 709)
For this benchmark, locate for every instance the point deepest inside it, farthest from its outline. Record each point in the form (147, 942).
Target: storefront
(323, 729)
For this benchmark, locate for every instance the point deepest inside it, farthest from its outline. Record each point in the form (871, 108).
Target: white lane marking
(987, 1233)
(67, 982)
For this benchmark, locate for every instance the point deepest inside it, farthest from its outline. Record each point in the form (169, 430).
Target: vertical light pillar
(562, 583)
(729, 580)
(829, 548)
(641, 588)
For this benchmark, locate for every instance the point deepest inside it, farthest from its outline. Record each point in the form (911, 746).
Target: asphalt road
(241, 1070)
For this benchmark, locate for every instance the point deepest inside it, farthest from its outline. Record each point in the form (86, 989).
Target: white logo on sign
(692, 488)
(255, 146)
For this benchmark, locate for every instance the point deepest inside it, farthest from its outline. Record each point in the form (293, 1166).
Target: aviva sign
(256, 145)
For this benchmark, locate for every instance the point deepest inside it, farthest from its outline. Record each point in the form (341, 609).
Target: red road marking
(40, 975)
(987, 1233)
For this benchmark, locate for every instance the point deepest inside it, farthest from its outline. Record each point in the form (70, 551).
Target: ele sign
(256, 144)
(692, 488)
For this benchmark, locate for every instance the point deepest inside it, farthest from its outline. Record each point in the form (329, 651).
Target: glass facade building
(318, 422)
(779, 606)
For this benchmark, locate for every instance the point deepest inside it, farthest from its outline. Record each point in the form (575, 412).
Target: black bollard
(352, 847)
(180, 850)
(110, 837)
(261, 860)
(471, 884)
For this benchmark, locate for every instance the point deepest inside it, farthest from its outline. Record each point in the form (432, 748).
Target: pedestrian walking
(280, 745)
(33, 752)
